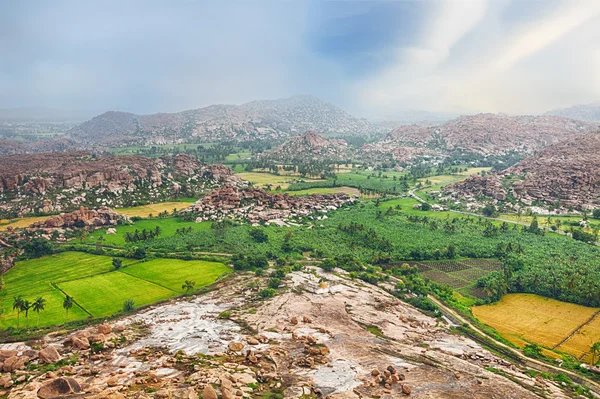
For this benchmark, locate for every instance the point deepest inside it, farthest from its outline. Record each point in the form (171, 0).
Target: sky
(372, 58)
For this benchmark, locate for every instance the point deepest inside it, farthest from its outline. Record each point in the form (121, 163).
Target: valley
(185, 235)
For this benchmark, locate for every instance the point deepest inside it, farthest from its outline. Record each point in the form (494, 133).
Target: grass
(20, 222)
(173, 273)
(168, 227)
(537, 319)
(95, 285)
(104, 294)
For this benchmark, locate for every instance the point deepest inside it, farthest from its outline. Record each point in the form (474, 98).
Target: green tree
(38, 305)
(117, 263)
(188, 285)
(25, 306)
(18, 306)
(67, 304)
(128, 305)
(595, 348)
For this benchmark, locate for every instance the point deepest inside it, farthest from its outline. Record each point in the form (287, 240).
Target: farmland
(168, 227)
(262, 179)
(145, 211)
(98, 290)
(328, 190)
(460, 275)
(543, 321)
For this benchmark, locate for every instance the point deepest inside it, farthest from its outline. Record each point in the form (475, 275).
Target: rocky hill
(582, 112)
(258, 119)
(487, 134)
(59, 182)
(309, 146)
(566, 173)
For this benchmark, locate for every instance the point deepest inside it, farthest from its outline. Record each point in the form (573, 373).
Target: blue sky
(371, 58)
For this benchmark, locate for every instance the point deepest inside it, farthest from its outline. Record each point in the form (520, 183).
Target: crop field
(168, 228)
(145, 211)
(261, 179)
(98, 290)
(542, 320)
(20, 222)
(326, 190)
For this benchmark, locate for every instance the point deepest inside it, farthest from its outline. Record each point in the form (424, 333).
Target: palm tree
(67, 304)
(18, 306)
(38, 305)
(25, 306)
(595, 351)
(188, 285)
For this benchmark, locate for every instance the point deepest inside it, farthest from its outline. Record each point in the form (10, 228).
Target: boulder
(49, 354)
(104, 328)
(209, 392)
(13, 363)
(81, 343)
(59, 387)
(236, 346)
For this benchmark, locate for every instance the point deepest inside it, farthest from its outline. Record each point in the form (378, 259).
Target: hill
(582, 112)
(267, 119)
(309, 146)
(565, 174)
(489, 134)
(58, 182)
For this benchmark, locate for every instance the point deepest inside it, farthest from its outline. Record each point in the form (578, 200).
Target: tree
(258, 235)
(25, 306)
(489, 210)
(596, 213)
(128, 305)
(18, 306)
(595, 348)
(117, 263)
(67, 304)
(37, 248)
(38, 305)
(188, 285)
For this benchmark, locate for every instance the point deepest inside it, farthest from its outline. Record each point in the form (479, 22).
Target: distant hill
(269, 119)
(582, 112)
(566, 173)
(40, 114)
(488, 134)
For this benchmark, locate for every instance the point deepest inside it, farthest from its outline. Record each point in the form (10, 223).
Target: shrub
(267, 293)
(128, 305)
(274, 282)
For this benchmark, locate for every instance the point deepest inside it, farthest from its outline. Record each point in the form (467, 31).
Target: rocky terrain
(565, 174)
(258, 119)
(258, 206)
(83, 217)
(309, 341)
(582, 112)
(60, 182)
(309, 146)
(484, 134)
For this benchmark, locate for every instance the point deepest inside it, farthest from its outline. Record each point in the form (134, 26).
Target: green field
(168, 227)
(98, 290)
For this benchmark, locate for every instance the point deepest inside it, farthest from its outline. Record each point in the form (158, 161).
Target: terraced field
(97, 289)
(460, 275)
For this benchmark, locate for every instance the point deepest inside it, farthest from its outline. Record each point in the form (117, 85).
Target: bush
(274, 283)
(117, 263)
(128, 305)
(596, 213)
(37, 248)
(267, 293)
(258, 235)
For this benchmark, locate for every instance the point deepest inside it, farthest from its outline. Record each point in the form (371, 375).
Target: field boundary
(55, 285)
(148, 281)
(588, 321)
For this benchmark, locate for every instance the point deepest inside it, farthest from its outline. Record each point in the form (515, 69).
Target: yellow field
(154, 209)
(326, 190)
(262, 179)
(19, 223)
(580, 343)
(534, 318)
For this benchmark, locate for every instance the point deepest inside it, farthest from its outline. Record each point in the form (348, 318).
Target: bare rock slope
(309, 341)
(566, 173)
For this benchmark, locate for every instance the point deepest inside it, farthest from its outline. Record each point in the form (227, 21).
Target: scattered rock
(49, 355)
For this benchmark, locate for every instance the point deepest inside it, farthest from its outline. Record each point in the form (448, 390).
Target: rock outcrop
(258, 206)
(308, 146)
(60, 182)
(83, 217)
(566, 174)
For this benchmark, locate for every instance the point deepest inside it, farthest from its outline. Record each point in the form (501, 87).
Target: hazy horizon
(372, 59)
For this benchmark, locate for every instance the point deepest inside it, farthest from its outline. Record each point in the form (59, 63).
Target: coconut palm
(38, 305)
(18, 306)
(67, 304)
(25, 306)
